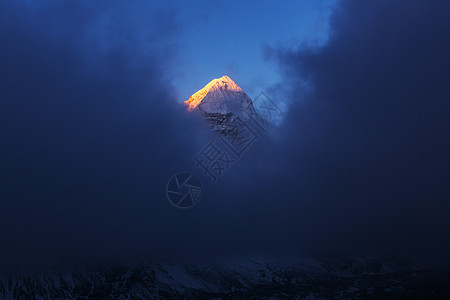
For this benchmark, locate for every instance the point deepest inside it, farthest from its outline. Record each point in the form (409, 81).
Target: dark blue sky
(92, 129)
(218, 38)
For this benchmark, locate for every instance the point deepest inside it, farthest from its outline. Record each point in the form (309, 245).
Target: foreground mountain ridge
(233, 278)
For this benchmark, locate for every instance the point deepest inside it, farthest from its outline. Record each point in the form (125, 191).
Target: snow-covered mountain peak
(222, 101)
(223, 83)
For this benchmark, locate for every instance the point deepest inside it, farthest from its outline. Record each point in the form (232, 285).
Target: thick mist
(92, 131)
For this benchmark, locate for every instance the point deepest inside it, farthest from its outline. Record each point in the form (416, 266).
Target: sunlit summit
(222, 101)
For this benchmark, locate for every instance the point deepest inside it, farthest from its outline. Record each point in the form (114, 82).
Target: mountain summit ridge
(222, 101)
(214, 85)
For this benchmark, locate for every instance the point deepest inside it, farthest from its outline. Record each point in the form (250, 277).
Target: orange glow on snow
(197, 98)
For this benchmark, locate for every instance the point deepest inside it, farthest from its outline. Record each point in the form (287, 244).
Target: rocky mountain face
(221, 101)
(237, 278)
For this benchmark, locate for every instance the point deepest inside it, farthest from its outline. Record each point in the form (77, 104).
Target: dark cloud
(368, 132)
(360, 163)
(91, 133)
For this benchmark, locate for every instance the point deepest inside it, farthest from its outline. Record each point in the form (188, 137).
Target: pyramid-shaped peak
(223, 83)
(224, 79)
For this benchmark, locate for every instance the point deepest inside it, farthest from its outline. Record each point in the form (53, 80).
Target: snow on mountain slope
(222, 101)
(197, 97)
(230, 278)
